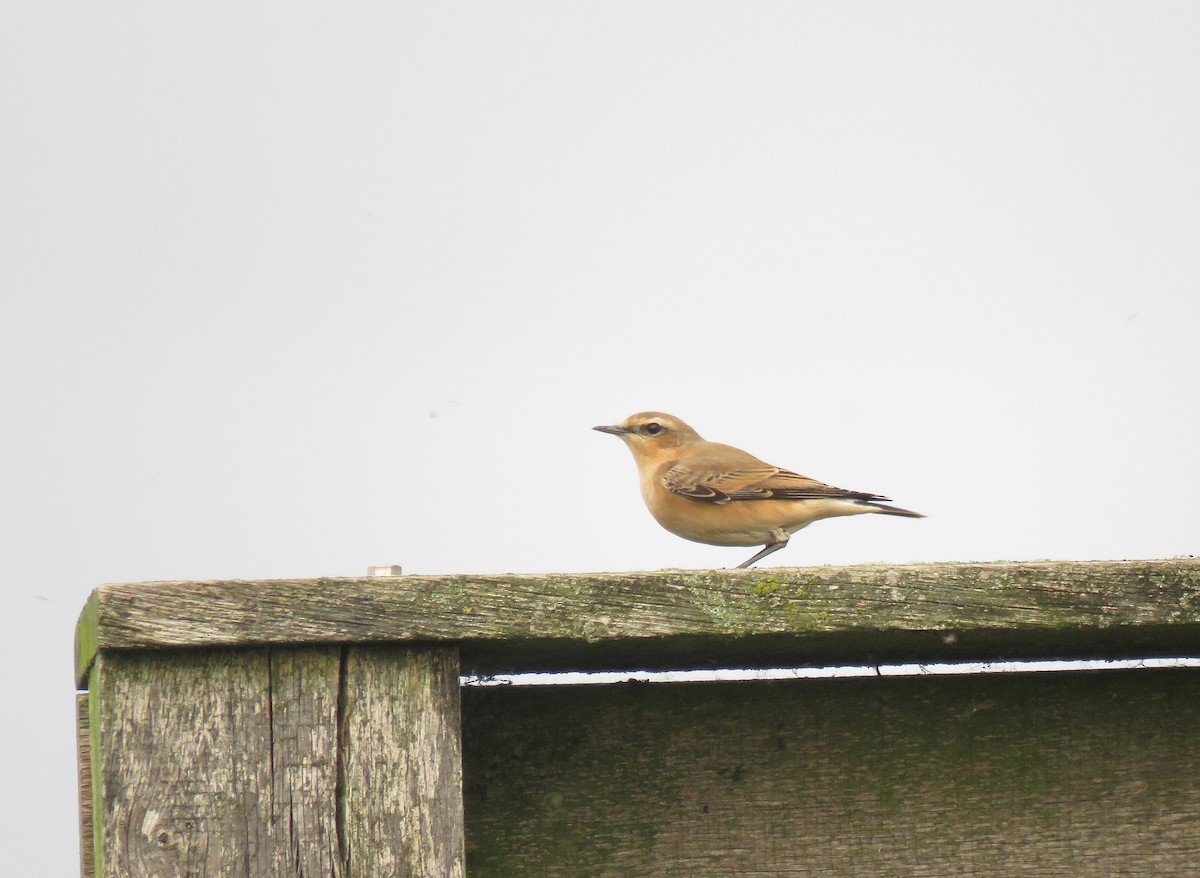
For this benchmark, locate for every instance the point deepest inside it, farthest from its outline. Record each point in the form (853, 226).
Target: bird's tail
(894, 510)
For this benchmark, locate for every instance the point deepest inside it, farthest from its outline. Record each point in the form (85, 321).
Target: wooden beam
(676, 619)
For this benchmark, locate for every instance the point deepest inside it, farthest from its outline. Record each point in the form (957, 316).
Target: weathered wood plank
(1086, 774)
(673, 619)
(185, 764)
(87, 825)
(402, 777)
(304, 692)
(278, 762)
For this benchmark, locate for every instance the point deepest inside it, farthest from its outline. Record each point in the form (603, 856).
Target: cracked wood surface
(277, 762)
(678, 619)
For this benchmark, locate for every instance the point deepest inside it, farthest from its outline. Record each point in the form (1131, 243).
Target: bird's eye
(652, 429)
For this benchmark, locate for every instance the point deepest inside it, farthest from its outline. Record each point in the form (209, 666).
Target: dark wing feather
(708, 481)
(814, 492)
(700, 492)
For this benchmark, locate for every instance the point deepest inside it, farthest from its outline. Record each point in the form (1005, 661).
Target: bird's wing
(714, 481)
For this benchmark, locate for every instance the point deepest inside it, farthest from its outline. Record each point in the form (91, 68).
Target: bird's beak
(614, 429)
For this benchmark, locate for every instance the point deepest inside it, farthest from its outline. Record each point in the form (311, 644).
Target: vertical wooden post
(401, 798)
(277, 762)
(303, 687)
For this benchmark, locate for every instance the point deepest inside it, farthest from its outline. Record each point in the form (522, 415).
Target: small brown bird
(720, 495)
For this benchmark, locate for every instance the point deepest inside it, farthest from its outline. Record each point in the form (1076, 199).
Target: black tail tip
(896, 510)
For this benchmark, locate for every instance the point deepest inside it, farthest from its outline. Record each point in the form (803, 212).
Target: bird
(720, 495)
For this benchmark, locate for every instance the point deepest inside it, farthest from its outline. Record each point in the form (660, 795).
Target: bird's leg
(767, 549)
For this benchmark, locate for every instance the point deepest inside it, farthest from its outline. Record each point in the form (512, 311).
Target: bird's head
(651, 435)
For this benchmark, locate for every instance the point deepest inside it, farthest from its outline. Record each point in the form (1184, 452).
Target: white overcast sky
(292, 289)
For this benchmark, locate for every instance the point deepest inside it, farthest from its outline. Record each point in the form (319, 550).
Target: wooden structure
(317, 727)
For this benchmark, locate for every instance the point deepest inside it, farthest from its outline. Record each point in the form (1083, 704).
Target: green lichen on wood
(767, 586)
(575, 621)
(86, 639)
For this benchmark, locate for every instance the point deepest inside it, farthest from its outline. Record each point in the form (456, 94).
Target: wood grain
(303, 690)
(1089, 775)
(278, 762)
(312, 727)
(677, 619)
(185, 764)
(87, 824)
(402, 801)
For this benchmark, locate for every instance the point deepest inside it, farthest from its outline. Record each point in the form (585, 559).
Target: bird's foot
(764, 552)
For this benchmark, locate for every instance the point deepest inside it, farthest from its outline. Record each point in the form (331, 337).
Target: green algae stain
(767, 586)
